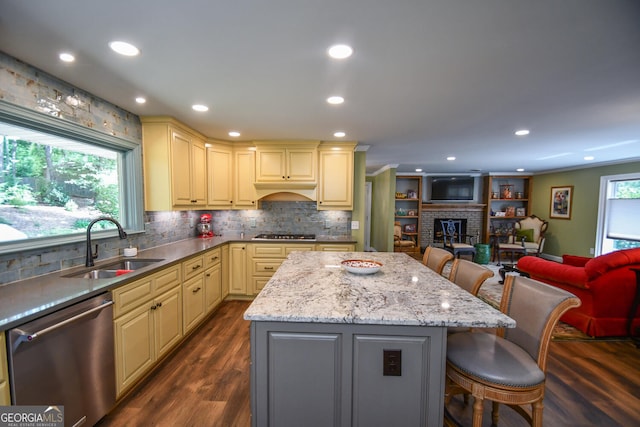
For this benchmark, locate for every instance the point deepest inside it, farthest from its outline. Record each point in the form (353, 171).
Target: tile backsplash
(166, 227)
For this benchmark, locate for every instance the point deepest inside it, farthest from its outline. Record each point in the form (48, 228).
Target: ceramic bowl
(361, 266)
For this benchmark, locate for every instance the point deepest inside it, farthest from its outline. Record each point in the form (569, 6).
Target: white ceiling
(428, 78)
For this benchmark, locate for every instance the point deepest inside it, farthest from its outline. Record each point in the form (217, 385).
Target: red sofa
(606, 285)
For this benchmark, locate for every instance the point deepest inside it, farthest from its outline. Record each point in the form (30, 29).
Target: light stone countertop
(312, 287)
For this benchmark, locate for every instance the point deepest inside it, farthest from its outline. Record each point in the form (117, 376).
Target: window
(56, 177)
(618, 225)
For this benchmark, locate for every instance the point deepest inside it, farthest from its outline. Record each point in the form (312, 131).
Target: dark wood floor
(206, 383)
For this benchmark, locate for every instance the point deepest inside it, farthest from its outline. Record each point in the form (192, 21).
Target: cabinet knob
(196, 290)
(153, 307)
(268, 268)
(159, 304)
(195, 267)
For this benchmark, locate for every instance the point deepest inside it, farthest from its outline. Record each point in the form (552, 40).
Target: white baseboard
(551, 257)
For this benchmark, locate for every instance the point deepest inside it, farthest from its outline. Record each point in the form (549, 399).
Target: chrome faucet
(90, 255)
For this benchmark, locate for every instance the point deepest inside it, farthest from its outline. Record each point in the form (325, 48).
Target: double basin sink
(114, 269)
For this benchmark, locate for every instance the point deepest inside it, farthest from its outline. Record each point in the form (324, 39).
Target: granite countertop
(25, 300)
(312, 287)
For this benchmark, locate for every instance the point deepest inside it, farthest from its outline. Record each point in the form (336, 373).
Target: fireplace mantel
(470, 207)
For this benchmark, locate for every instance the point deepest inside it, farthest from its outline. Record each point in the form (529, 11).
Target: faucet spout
(90, 254)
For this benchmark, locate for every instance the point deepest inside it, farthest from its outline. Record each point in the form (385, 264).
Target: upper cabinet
(286, 164)
(175, 165)
(220, 176)
(244, 193)
(335, 186)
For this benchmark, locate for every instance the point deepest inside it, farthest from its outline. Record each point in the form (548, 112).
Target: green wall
(577, 235)
(383, 187)
(359, 172)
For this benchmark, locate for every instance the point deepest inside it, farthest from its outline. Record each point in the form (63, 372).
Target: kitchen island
(334, 348)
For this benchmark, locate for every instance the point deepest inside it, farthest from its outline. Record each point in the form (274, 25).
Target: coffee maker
(204, 227)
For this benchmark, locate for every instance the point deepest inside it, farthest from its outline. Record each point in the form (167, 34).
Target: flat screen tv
(455, 188)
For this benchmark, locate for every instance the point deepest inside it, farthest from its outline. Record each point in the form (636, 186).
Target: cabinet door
(238, 269)
(134, 346)
(271, 165)
(220, 177)
(5, 396)
(193, 302)
(212, 287)
(167, 321)
(301, 165)
(244, 177)
(180, 168)
(198, 174)
(336, 180)
(224, 257)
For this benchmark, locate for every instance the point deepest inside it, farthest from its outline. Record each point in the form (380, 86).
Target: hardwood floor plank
(206, 383)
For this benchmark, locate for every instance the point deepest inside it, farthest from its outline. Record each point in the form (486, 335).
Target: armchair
(527, 238)
(400, 244)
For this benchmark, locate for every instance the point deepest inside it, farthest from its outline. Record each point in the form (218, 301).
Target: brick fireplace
(472, 214)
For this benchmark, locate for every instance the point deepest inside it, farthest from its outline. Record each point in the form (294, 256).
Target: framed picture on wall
(560, 203)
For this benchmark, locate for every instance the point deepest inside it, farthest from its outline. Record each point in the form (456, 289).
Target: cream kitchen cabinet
(335, 184)
(174, 160)
(193, 293)
(147, 324)
(219, 176)
(212, 279)
(5, 395)
(265, 258)
(292, 163)
(244, 192)
(224, 266)
(238, 269)
(335, 247)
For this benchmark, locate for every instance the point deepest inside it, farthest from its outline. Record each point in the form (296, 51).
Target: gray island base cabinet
(333, 348)
(332, 375)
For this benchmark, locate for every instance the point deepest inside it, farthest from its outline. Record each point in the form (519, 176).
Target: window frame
(601, 230)
(131, 199)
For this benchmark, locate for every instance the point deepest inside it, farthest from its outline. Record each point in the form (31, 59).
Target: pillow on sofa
(527, 234)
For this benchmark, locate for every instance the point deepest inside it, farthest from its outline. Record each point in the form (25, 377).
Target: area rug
(491, 293)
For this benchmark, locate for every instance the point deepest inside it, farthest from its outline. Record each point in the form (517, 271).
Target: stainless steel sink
(114, 269)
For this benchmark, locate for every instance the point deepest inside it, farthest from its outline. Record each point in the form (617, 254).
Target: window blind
(623, 219)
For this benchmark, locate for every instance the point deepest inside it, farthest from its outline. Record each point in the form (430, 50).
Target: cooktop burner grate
(285, 236)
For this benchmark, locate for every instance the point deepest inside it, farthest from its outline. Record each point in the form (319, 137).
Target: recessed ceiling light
(335, 100)
(124, 48)
(589, 158)
(450, 158)
(339, 134)
(340, 51)
(66, 57)
(522, 132)
(418, 170)
(140, 100)
(199, 107)
(520, 170)
(234, 133)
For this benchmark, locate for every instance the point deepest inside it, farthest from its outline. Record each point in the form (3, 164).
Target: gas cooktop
(285, 236)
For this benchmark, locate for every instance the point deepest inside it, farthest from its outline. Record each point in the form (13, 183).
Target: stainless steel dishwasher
(66, 358)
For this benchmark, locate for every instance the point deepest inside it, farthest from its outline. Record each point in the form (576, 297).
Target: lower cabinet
(265, 258)
(238, 268)
(5, 394)
(341, 374)
(147, 324)
(193, 296)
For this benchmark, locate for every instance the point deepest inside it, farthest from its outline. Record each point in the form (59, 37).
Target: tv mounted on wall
(452, 188)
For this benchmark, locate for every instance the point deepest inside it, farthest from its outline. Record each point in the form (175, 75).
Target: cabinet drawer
(130, 296)
(212, 258)
(166, 279)
(336, 247)
(273, 250)
(290, 248)
(264, 267)
(192, 267)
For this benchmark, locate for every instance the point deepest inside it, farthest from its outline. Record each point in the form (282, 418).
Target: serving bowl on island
(361, 266)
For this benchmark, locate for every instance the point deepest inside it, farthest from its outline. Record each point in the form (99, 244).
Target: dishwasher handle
(25, 336)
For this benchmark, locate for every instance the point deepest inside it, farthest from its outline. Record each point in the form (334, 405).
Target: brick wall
(474, 215)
